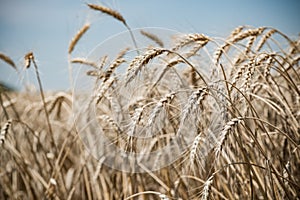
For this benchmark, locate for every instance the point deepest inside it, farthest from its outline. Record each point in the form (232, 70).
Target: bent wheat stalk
(29, 57)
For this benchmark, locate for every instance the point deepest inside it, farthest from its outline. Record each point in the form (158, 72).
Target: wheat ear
(108, 11)
(200, 39)
(141, 60)
(77, 37)
(194, 147)
(116, 15)
(84, 62)
(233, 122)
(8, 60)
(153, 37)
(207, 187)
(264, 38)
(4, 131)
(160, 104)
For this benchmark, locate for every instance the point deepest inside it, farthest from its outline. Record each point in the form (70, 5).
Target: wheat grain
(77, 37)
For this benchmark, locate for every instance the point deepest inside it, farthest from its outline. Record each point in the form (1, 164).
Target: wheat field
(194, 117)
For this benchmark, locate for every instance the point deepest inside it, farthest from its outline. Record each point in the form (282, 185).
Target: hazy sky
(46, 27)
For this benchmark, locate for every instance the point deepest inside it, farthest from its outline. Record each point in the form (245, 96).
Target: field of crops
(189, 116)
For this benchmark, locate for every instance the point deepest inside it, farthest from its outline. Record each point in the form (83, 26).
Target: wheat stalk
(29, 57)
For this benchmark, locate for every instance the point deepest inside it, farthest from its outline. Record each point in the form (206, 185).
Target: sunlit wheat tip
(28, 59)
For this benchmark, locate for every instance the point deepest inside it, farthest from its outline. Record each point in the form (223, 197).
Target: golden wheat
(77, 37)
(8, 60)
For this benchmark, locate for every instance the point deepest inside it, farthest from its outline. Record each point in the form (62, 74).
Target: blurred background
(46, 28)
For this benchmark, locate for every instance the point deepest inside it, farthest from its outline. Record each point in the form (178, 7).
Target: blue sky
(46, 27)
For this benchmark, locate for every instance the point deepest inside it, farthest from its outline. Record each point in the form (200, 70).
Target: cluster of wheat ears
(233, 104)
